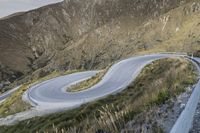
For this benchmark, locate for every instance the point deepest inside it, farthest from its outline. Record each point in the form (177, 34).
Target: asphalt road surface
(53, 92)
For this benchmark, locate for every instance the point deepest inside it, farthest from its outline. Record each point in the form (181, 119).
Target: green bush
(163, 96)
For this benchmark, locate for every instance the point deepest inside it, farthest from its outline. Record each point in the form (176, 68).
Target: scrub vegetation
(158, 82)
(87, 83)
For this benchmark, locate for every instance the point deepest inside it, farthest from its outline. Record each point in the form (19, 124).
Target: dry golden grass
(114, 117)
(87, 83)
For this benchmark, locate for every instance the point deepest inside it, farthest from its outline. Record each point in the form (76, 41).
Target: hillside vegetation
(156, 84)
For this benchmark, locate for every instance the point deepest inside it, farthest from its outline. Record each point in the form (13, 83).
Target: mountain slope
(91, 34)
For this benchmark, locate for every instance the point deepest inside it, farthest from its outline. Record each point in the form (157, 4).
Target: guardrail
(8, 93)
(184, 122)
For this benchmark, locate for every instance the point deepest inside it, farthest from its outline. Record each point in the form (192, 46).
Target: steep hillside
(92, 33)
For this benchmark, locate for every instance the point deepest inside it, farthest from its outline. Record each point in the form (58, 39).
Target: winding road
(52, 94)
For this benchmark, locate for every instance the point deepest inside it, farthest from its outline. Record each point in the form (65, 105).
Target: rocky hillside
(91, 34)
